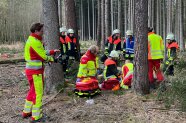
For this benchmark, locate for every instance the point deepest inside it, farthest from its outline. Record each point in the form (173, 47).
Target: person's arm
(40, 53)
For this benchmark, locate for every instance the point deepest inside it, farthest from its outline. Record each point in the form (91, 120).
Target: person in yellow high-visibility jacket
(35, 55)
(155, 55)
(127, 71)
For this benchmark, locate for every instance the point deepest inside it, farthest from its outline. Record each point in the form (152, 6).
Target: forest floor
(122, 106)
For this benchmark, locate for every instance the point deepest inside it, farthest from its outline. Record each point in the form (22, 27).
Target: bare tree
(140, 80)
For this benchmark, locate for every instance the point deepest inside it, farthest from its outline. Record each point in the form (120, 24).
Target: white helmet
(114, 54)
(70, 31)
(129, 32)
(62, 29)
(116, 31)
(170, 36)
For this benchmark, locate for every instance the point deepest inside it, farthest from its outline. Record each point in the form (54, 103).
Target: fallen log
(12, 61)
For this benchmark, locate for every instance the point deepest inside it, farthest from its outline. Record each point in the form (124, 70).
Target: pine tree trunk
(112, 15)
(164, 29)
(125, 16)
(169, 15)
(102, 24)
(129, 15)
(89, 37)
(140, 80)
(71, 17)
(99, 24)
(182, 43)
(119, 14)
(82, 21)
(54, 73)
(60, 12)
(93, 20)
(157, 17)
(107, 18)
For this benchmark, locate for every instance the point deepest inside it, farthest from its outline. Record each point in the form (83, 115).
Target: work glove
(167, 62)
(50, 59)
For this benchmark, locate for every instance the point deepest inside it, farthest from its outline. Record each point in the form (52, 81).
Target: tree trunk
(119, 14)
(71, 17)
(60, 12)
(164, 29)
(99, 24)
(129, 15)
(82, 21)
(182, 43)
(140, 80)
(54, 73)
(102, 25)
(112, 15)
(89, 37)
(169, 15)
(93, 20)
(107, 18)
(157, 17)
(125, 16)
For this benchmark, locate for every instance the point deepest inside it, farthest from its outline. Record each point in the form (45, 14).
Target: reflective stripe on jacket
(129, 49)
(171, 50)
(112, 44)
(155, 46)
(88, 65)
(127, 70)
(63, 45)
(35, 54)
(71, 43)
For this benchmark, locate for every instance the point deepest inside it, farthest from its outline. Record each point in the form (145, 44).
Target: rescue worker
(172, 49)
(127, 72)
(111, 73)
(86, 77)
(128, 45)
(64, 49)
(112, 43)
(155, 56)
(35, 55)
(72, 44)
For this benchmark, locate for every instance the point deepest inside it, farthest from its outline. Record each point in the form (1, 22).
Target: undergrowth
(173, 90)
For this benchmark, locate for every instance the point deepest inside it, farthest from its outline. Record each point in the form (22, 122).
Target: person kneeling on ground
(111, 74)
(86, 83)
(127, 71)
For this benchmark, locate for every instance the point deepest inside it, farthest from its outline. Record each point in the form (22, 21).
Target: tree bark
(60, 12)
(102, 25)
(140, 80)
(119, 14)
(99, 24)
(169, 15)
(54, 73)
(107, 18)
(71, 17)
(182, 43)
